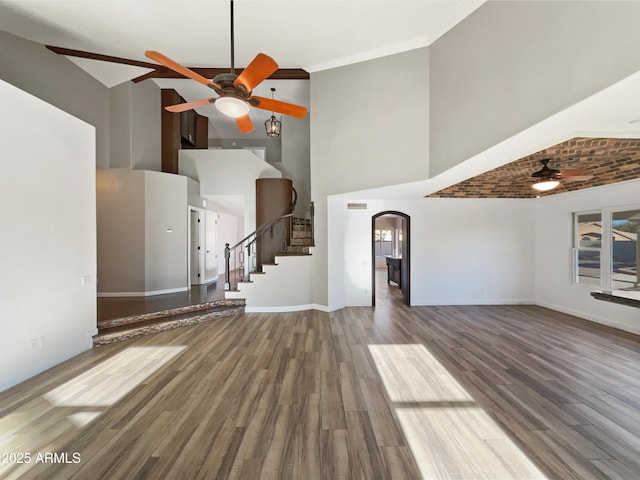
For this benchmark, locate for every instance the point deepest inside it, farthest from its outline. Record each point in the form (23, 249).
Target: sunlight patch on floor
(41, 421)
(108, 382)
(449, 434)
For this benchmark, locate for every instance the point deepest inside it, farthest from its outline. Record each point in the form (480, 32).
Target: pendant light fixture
(273, 125)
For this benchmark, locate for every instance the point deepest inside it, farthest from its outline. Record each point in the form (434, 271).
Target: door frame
(405, 264)
(201, 241)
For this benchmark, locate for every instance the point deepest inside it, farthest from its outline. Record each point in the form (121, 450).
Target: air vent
(356, 206)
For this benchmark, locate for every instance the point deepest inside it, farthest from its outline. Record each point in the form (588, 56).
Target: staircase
(119, 329)
(284, 283)
(301, 237)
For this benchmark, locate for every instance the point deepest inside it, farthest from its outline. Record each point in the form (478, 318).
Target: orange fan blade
(181, 107)
(278, 106)
(576, 172)
(260, 68)
(245, 124)
(578, 178)
(176, 67)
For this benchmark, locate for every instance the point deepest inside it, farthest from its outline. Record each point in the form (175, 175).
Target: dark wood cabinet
(188, 128)
(180, 131)
(394, 270)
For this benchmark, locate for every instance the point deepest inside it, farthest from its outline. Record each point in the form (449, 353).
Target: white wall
(554, 242)
(47, 210)
(223, 173)
(511, 64)
(463, 251)
(284, 287)
(374, 134)
(228, 232)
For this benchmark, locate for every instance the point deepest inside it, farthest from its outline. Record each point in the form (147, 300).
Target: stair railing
(272, 238)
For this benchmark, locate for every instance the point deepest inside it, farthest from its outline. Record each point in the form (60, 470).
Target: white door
(194, 247)
(211, 257)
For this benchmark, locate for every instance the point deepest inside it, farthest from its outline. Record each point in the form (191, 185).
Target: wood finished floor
(457, 392)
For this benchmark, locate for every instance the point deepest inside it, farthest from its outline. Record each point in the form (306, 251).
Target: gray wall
(512, 64)
(56, 80)
(142, 232)
(370, 123)
(296, 150)
(121, 230)
(135, 140)
(165, 223)
(146, 132)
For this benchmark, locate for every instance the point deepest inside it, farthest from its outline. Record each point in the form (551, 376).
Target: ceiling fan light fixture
(545, 185)
(232, 107)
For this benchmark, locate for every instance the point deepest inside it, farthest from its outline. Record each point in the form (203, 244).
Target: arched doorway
(399, 254)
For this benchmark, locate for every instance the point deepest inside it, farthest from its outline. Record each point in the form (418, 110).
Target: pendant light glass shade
(273, 125)
(232, 107)
(545, 185)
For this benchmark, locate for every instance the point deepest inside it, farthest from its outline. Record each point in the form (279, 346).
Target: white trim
(591, 318)
(293, 308)
(143, 294)
(201, 240)
(473, 301)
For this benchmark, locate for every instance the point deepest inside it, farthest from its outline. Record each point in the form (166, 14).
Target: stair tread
(128, 320)
(160, 324)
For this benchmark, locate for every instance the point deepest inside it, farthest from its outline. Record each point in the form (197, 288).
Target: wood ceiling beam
(160, 71)
(280, 74)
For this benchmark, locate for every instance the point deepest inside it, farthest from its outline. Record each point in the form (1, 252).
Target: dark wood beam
(280, 74)
(97, 56)
(160, 71)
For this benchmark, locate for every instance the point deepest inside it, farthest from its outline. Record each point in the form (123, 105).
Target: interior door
(194, 247)
(211, 256)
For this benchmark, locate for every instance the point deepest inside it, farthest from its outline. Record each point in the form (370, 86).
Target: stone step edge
(108, 338)
(115, 322)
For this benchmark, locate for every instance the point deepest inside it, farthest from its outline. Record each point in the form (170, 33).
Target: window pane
(625, 228)
(589, 266)
(589, 230)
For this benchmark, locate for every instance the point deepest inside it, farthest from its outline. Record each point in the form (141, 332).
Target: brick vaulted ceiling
(609, 160)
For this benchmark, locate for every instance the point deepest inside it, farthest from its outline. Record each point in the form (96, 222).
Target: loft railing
(261, 246)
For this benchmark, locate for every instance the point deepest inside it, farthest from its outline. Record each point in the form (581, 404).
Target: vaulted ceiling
(312, 35)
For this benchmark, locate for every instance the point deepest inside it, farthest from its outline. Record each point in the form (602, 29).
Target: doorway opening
(390, 253)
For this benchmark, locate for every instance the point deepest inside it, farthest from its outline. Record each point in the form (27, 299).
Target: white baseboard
(143, 294)
(292, 308)
(589, 317)
(471, 301)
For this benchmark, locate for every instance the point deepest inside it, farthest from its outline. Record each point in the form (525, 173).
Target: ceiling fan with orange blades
(549, 178)
(234, 91)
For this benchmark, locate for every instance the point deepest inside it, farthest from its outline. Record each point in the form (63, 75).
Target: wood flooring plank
(360, 393)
